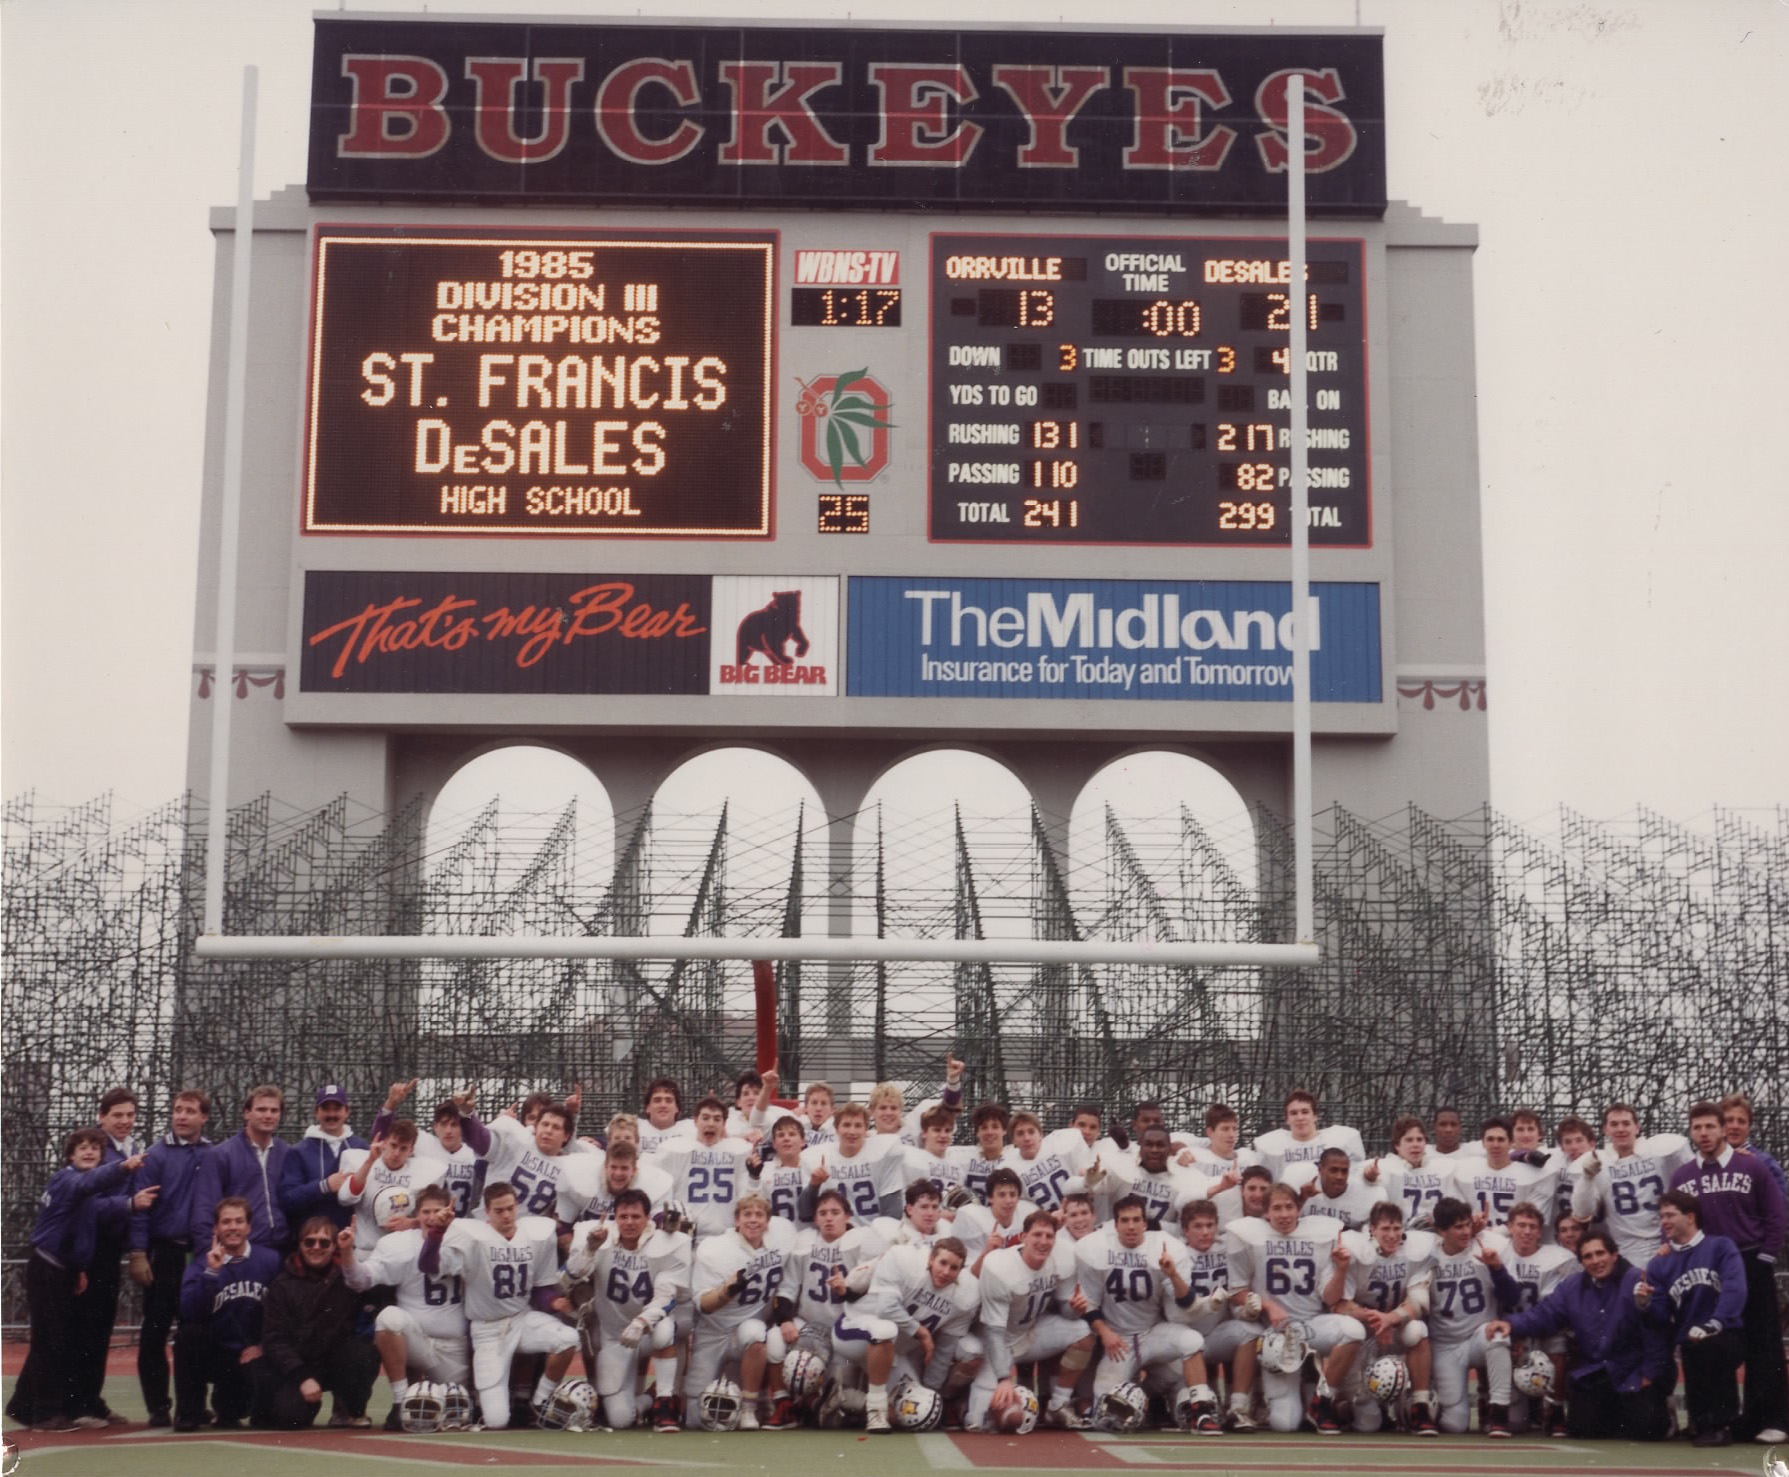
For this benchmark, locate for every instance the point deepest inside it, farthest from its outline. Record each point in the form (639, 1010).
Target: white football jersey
(1380, 1281)
(513, 1160)
(1014, 1295)
(710, 1179)
(720, 1260)
(901, 1290)
(944, 1172)
(976, 1169)
(1126, 1285)
(584, 1193)
(1494, 1192)
(1290, 1268)
(414, 1175)
(651, 1138)
(1351, 1207)
(1624, 1194)
(1160, 1191)
(879, 1168)
(1417, 1187)
(500, 1275)
(1061, 1157)
(1206, 1272)
(1462, 1296)
(1279, 1151)
(462, 1172)
(781, 1185)
(646, 1282)
(1537, 1275)
(437, 1302)
(808, 1269)
(974, 1224)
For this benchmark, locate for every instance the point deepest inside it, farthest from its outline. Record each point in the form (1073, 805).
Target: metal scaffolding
(1473, 961)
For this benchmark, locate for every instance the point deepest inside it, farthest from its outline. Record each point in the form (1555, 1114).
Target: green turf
(135, 1452)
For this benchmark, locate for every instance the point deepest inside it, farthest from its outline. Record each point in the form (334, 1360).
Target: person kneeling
(308, 1338)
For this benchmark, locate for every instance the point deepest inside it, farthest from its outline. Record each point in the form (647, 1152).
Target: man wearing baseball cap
(311, 1182)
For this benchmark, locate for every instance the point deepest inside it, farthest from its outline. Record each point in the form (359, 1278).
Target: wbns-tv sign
(966, 119)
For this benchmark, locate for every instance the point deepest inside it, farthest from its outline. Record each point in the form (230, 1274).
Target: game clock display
(1135, 390)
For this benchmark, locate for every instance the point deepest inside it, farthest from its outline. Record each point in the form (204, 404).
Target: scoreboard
(599, 384)
(1134, 390)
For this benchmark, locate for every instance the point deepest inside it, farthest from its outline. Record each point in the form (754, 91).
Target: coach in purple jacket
(1697, 1289)
(1737, 1197)
(1622, 1364)
(246, 1164)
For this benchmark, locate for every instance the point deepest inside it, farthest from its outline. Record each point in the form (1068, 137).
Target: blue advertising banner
(1135, 640)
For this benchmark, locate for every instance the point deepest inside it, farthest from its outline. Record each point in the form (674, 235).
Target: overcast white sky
(1623, 163)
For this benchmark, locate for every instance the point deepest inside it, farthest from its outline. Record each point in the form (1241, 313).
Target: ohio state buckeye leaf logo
(850, 419)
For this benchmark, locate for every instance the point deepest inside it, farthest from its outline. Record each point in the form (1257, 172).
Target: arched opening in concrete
(1177, 824)
(518, 816)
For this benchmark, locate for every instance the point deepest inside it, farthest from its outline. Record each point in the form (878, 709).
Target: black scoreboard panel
(556, 382)
(1135, 390)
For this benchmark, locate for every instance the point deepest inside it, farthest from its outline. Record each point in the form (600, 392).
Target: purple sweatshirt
(1739, 1200)
(1700, 1284)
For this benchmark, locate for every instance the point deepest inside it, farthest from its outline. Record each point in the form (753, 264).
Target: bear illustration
(771, 629)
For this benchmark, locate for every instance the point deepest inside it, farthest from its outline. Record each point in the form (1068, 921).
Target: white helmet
(1533, 1375)
(1285, 1348)
(915, 1407)
(458, 1411)
(1388, 1377)
(804, 1377)
(571, 1406)
(1124, 1409)
(391, 1202)
(718, 1406)
(1019, 1418)
(423, 1407)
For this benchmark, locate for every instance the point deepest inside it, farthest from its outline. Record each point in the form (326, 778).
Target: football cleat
(1065, 1417)
(1123, 1409)
(1323, 1416)
(875, 1421)
(914, 1407)
(748, 1417)
(664, 1416)
(1241, 1421)
(719, 1406)
(1497, 1421)
(1422, 1419)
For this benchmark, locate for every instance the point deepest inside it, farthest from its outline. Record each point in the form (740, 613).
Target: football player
(1462, 1301)
(1280, 1266)
(1621, 1185)
(1301, 1140)
(870, 1173)
(737, 1278)
(1130, 1278)
(636, 1276)
(1031, 1309)
(509, 1266)
(1374, 1283)
(708, 1171)
(423, 1334)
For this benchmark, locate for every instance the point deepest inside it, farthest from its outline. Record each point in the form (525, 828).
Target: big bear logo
(771, 628)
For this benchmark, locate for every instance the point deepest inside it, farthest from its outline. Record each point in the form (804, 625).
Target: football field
(135, 1451)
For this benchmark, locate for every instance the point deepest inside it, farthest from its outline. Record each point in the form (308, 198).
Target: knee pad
(390, 1320)
(752, 1331)
(969, 1349)
(1413, 1333)
(1074, 1358)
(664, 1335)
(775, 1347)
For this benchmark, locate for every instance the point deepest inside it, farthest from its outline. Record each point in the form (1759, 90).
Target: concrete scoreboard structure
(845, 392)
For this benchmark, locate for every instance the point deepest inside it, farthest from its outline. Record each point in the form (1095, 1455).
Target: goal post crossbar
(868, 950)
